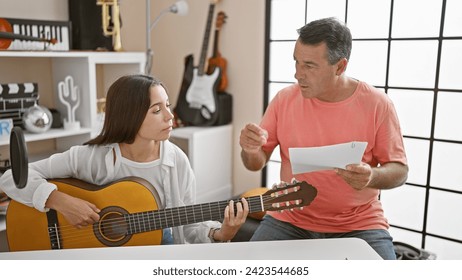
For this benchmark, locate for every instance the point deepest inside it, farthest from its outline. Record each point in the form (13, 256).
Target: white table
(315, 249)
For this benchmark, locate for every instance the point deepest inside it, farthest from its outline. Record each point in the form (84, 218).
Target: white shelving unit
(82, 66)
(209, 152)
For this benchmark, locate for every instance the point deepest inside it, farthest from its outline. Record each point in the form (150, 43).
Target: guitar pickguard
(201, 92)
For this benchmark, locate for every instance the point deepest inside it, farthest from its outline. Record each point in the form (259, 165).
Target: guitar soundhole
(112, 228)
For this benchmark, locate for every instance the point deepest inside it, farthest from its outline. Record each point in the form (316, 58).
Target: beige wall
(241, 43)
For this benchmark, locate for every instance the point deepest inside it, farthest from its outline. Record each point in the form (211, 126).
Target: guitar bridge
(53, 229)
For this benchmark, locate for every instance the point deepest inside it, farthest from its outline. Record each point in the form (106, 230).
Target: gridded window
(369, 66)
(412, 63)
(415, 58)
(451, 59)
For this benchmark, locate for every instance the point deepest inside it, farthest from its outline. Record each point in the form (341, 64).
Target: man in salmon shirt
(326, 107)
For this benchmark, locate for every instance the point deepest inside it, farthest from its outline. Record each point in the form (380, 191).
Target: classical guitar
(131, 215)
(197, 102)
(217, 60)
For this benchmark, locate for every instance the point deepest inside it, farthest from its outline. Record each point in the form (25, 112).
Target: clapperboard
(15, 98)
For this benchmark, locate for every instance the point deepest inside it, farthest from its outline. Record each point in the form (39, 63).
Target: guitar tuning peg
(301, 208)
(287, 203)
(294, 181)
(280, 185)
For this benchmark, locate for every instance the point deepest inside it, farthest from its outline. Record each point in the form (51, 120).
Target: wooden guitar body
(221, 63)
(27, 228)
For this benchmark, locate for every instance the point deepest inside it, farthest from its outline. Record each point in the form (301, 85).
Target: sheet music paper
(326, 157)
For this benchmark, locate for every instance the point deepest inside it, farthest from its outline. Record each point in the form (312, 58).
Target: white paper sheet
(326, 157)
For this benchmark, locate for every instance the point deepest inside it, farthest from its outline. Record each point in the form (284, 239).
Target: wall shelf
(51, 134)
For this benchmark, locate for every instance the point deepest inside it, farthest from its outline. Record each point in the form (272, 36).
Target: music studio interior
(90, 43)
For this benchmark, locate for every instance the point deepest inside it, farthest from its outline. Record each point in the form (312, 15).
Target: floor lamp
(179, 7)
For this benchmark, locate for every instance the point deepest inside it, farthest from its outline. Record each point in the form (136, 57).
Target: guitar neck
(215, 44)
(178, 216)
(205, 42)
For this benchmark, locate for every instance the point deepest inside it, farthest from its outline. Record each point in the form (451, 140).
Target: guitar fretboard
(205, 42)
(177, 216)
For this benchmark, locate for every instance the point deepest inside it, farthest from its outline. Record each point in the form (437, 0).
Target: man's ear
(341, 66)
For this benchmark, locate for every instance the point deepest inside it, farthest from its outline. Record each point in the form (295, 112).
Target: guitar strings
(72, 235)
(121, 220)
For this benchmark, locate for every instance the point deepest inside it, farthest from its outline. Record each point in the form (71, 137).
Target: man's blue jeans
(167, 237)
(273, 229)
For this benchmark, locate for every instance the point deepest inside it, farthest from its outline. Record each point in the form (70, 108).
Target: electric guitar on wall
(131, 215)
(217, 60)
(197, 102)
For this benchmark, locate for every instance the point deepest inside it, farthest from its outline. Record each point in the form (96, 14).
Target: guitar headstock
(221, 19)
(295, 195)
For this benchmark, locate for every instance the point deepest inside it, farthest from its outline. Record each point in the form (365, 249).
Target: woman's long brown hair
(127, 103)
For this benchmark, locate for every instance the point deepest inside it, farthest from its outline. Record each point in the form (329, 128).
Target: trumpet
(110, 12)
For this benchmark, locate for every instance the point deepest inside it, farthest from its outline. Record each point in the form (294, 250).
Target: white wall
(241, 43)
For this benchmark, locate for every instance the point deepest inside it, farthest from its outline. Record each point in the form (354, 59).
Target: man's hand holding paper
(326, 157)
(344, 158)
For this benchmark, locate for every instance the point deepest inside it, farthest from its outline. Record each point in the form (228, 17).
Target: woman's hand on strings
(76, 211)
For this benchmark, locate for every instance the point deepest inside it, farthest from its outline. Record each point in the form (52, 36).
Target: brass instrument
(111, 16)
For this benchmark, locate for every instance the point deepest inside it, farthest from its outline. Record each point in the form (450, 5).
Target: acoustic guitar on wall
(198, 102)
(217, 60)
